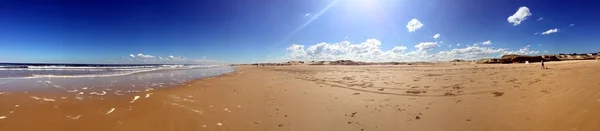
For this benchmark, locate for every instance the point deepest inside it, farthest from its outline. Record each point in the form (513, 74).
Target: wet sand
(343, 98)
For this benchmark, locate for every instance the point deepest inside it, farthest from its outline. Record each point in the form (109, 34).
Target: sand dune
(343, 98)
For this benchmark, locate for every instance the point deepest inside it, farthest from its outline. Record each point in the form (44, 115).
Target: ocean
(100, 79)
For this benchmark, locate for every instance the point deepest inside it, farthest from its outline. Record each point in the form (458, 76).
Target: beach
(432, 97)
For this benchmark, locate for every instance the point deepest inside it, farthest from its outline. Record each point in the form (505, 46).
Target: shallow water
(103, 81)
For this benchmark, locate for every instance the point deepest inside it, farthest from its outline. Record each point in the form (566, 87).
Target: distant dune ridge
(523, 58)
(509, 58)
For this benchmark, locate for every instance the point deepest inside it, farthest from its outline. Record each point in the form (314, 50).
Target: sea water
(100, 78)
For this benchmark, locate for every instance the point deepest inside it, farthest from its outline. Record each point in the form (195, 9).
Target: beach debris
(239, 106)
(134, 98)
(75, 90)
(16, 105)
(219, 124)
(2, 117)
(85, 88)
(110, 111)
(96, 93)
(204, 126)
(418, 117)
(226, 109)
(148, 95)
(73, 117)
(255, 122)
(210, 106)
(356, 93)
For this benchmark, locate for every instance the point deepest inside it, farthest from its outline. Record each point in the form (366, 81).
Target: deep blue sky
(90, 31)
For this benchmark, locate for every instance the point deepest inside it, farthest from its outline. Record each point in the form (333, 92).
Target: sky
(248, 31)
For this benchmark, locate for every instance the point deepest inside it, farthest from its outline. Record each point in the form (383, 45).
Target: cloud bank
(370, 51)
(141, 58)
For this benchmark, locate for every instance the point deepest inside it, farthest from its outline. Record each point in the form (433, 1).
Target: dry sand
(519, 97)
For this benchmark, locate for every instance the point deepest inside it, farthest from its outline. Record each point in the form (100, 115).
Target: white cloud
(536, 33)
(399, 49)
(546, 51)
(141, 56)
(523, 51)
(426, 46)
(370, 51)
(571, 25)
(488, 42)
(550, 31)
(171, 59)
(449, 45)
(413, 25)
(307, 14)
(458, 44)
(541, 18)
(519, 16)
(436, 36)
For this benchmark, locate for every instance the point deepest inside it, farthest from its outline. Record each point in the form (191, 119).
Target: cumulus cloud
(426, 46)
(519, 16)
(550, 31)
(523, 51)
(571, 25)
(371, 51)
(436, 36)
(413, 25)
(399, 49)
(142, 56)
(488, 42)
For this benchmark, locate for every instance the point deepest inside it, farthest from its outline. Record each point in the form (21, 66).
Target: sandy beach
(450, 97)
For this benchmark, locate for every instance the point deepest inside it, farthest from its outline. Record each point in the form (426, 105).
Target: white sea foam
(73, 117)
(48, 99)
(96, 93)
(134, 98)
(110, 111)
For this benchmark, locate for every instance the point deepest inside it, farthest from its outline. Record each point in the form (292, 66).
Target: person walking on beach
(543, 67)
